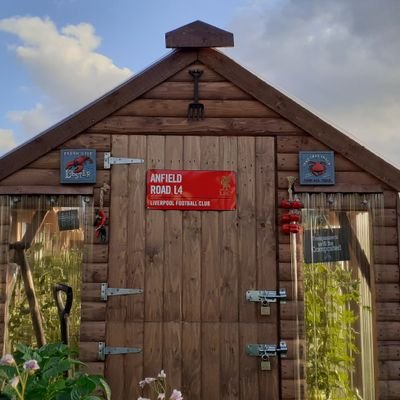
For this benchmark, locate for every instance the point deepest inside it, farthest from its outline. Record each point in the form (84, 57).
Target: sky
(340, 58)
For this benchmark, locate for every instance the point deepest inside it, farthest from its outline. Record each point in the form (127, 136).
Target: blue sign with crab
(317, 167)
(78, 166)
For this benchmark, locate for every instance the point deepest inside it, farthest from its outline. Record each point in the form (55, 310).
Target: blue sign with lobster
(317, 167)
(78, 166)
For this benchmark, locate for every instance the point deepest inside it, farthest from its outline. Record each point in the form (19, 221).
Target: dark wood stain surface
(195, 267)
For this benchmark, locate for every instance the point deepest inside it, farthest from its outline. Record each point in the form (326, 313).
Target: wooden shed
(219, 291)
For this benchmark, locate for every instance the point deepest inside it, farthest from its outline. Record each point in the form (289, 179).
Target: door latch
(266, 351)
(266, 298)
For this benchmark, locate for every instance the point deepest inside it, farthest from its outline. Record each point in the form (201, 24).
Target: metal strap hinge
(109, 160)
(105, 291)
(104, 350)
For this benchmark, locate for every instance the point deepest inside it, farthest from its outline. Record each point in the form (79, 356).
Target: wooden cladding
(213, 108)
(209, 75)
(228, 110)
(300, 116)
(290, 162)
(386, 290)
(209, 126)
(195, 268)
(207, 90)
(75, 125)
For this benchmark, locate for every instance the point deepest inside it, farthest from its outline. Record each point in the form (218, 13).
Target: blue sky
(339, 58)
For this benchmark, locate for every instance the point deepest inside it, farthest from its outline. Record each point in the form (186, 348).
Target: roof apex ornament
(198, 34)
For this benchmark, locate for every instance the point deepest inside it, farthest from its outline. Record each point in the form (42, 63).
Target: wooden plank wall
(4, 272)
(178, 246)
(166, 252)
(228, 110)
(386, 260)
(195, 268)
(388, 298)
(45, 172)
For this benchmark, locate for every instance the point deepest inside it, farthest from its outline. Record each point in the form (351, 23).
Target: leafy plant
(47, 373)
(331, 296)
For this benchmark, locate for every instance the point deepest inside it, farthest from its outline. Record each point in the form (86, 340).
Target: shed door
(195, 267)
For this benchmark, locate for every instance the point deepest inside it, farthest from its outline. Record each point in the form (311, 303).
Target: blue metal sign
(317, 167)
(78, 166)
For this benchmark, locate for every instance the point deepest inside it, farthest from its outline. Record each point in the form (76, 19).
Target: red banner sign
(190, 190)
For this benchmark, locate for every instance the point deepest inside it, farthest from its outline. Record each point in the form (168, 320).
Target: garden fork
(196, 109)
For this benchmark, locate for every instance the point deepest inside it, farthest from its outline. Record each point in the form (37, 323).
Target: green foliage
(331, 297)
(54, 380)
(60, 267)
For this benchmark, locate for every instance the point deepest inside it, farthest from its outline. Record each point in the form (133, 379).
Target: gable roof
(229, 69)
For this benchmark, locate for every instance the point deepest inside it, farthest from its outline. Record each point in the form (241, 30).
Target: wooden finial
(198, 34)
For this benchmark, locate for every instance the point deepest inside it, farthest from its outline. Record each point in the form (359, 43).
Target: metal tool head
(196, 111)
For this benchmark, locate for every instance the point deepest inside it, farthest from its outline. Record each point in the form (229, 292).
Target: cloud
(7, 140)
(341, 57)
(63, 64)
(31, 121)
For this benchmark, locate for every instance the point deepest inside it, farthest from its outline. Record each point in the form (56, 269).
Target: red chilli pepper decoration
(100, 222)
(296, 204)
(285, 204)
(294, 217)
(294, 228)
(289, 220)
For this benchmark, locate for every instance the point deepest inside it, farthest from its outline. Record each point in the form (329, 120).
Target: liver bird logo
(225, 185)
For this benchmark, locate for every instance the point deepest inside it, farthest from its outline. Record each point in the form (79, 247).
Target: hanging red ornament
(294, 217)
(285, 204)
(297, 204)
(285, 229)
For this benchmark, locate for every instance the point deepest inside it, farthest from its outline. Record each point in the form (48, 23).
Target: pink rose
(14, 381)
(7, 359)
(176, 395)
(31, 366)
